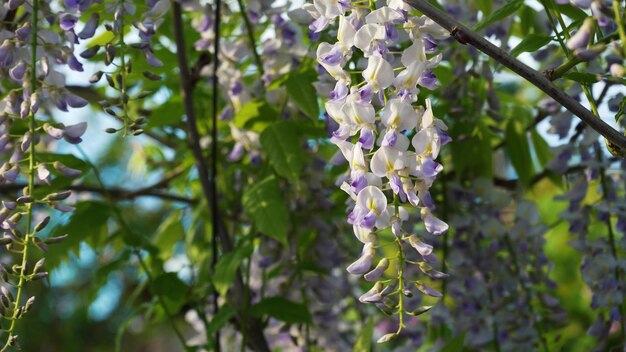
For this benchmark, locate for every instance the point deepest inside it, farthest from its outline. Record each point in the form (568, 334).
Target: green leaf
(541, 147)
(171, 290)
(519, 151)
(499, 14)
(166, 114)
(282, 309)
(220, 319)
(532, 42)
(169, 232)
(572, 12)
(226, 268)
(455, 345)
(301, 91)
(486, 6)
(472, 154)
(527, 19)
(265, 205)
(364, 341)
(87, 221)
(126, 323)
(582, 77)
(306, 240)
(282, 144)
(255, 115)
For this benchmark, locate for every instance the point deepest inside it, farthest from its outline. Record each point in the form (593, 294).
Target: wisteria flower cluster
(389, 142)
(496, 254)
(116, 51)
(30, 59)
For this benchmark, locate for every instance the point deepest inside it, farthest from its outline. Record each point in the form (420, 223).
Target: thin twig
(466, 36)
(250, 32)
(214, 150)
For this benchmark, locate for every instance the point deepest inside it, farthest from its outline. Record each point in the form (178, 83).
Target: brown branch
(253, 328)
(466, 36)
(115, 192)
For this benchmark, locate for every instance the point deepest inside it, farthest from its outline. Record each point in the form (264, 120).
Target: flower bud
(109, 54)
(66, 171)
(40, 244)
(23, 32)
(363, 264)
(151, 76)
(18, 71)
(420, 310)
(15, 218)
(24, 109)
(35, 101)
(58, 239)
(96, 77)
(387, 337)
(378, 271)
(90, 27)
(25, 200)
(427, 290)
(67, 22)
(29, 304)
(39, 276)
(26, 141)
(617, 70)
(45, 65)
(589, 54)
(39, 265)
(422, 248)
(91, 52)
(58, 196)
(42, 225)
(4, 275)
(63, 207)
(581, 38)
(373, 295)
(6, 294)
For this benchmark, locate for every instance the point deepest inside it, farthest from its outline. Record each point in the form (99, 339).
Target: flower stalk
(17, 308)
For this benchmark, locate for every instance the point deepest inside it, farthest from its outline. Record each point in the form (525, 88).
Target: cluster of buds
(389, 141)
(115, 55)
(30, 55)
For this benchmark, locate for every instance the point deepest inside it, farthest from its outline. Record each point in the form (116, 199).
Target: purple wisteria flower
(390, 143)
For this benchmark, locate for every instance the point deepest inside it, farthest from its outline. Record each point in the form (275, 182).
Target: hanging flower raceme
(390, 142)
(116, 51)
(30, 57)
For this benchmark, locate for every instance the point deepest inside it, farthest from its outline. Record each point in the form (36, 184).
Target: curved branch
(118, 193)
(466, 36)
